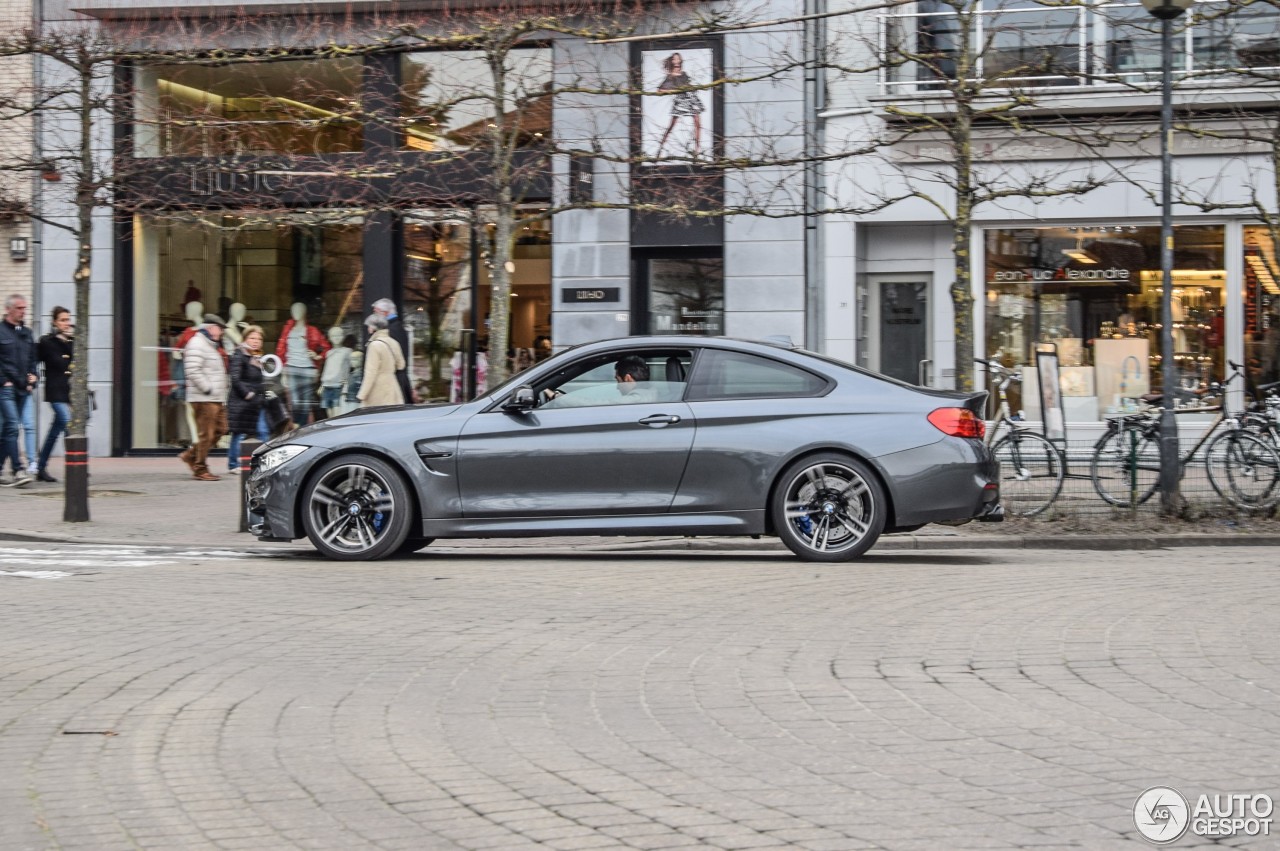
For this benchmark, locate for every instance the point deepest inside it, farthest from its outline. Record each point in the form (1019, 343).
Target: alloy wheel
(829, 507)
(352, 507)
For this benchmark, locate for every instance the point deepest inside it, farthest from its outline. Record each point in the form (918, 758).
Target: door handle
(660, 420)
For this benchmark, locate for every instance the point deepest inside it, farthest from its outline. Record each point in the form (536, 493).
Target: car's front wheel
(828, 508)
(357, 508)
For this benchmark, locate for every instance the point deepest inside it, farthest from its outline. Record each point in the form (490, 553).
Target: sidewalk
(155, 501)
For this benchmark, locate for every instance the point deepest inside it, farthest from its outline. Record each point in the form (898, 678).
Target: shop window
(298, 106)
(1261, 305)
(437, 272)
(446, 98)
(250, 272)
(1092, 294)
(681, 295)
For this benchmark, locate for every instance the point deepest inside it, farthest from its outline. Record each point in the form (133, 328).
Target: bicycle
(1031, 467)
(1243, 467)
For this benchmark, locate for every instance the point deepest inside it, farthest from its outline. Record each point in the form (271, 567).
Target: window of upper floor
(304, 105)
(1026, 44)
(449, 100)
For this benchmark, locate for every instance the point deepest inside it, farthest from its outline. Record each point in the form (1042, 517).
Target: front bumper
(271, 498)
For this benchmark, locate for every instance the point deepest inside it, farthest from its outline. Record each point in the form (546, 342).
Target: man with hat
(206, 371)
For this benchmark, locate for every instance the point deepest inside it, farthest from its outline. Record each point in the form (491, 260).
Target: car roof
(768, 348)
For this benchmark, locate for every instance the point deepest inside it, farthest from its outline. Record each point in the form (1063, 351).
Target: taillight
(958, 422)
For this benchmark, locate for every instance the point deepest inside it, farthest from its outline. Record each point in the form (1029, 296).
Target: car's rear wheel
(828, 507)
(357, 508)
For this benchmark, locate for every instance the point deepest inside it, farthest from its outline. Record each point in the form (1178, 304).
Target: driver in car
(631, 375)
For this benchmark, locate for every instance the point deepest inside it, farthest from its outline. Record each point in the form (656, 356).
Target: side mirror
(521, 401)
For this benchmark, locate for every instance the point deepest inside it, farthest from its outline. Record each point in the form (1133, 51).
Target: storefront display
(1092, 294)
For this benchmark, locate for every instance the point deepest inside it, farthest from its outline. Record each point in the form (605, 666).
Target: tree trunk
(500, 295)
(76, 495)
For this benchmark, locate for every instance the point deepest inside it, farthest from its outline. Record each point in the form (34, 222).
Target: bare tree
(972, 121)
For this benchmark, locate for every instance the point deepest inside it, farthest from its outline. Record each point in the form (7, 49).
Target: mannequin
(195, 315)
(233, 334)
(337, 369)
(349, 400)
(301, 348)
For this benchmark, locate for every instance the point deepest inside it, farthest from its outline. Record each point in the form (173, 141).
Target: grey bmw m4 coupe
(638, 436)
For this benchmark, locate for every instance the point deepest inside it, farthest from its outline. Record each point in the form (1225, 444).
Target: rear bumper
(952, 481)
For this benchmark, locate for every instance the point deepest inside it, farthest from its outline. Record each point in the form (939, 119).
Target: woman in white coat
(382, 357)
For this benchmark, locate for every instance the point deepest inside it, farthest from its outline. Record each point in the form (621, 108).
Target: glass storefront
(1261, 295)
(258, 270)
(1092, 294)
(438, 292)
(245, 270)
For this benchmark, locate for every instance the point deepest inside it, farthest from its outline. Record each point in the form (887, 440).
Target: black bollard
(247, 449)
(75, 507)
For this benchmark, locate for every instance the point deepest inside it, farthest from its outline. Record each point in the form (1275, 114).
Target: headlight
(278, 457)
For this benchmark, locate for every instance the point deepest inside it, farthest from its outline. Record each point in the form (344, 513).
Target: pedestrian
(245, 412)
(382, 358)
(29, 435)
(387, 308)
(206, 375)
(17, 381)
(57, 355)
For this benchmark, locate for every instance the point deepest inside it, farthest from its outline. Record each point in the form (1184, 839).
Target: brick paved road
(916, 701)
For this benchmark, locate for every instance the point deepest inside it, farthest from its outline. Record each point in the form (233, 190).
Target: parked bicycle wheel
(1244, 469)
(1031, 472)
(1126, 466)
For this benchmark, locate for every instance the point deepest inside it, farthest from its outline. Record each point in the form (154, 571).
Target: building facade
(313, 184)
(1077, 273)
(16, 75)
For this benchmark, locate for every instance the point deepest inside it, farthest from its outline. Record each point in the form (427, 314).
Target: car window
(737, 375)
(661, 375)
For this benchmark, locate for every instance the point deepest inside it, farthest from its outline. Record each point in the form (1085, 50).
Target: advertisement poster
(1055, 427)
(676, 123)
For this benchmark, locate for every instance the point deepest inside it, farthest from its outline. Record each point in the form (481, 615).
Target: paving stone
(993, 699)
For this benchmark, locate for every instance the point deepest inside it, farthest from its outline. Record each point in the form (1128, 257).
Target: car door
(602, 457)
(751, 412)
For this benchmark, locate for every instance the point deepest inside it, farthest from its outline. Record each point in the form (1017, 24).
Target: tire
(412, 545)
(357, 508)
(828, 508)
(1031, 472)
(1120, 469)
(1244, 470)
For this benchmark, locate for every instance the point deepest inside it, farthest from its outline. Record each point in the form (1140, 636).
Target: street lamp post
(1167, 11)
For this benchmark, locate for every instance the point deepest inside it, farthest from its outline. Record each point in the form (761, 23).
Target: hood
(369, 416)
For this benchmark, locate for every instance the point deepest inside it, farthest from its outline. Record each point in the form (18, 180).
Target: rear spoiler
(977, 402)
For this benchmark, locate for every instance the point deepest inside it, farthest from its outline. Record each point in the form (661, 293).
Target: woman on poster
(684, 104)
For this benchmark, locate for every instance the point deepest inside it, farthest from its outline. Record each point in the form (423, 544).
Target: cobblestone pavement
(995, 699)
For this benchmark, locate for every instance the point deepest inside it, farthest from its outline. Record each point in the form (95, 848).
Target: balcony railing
(1024, 43)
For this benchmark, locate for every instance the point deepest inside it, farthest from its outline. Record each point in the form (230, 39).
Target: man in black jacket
(387, 308)
(17, 379)
(57, 351)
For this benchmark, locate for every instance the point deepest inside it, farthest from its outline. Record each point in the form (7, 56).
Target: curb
(773, 546)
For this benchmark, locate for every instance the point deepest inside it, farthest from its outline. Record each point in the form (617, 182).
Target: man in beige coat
(206, 373)
(382, 357)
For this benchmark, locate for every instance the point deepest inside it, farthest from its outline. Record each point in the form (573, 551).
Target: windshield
(522, 377)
